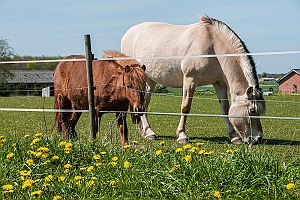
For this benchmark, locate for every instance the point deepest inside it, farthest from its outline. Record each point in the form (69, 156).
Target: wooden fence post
(89, 71)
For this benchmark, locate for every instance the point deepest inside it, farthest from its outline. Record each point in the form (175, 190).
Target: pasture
(35, 163)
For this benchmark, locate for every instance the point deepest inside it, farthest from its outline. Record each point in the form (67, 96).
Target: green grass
(235, 171)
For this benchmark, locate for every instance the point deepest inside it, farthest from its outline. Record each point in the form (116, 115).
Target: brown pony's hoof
(236, 140)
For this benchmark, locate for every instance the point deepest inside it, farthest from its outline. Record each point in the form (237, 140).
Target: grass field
(37, 164)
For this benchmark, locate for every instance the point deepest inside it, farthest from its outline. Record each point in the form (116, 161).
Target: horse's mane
(246, 61)
(136, 74)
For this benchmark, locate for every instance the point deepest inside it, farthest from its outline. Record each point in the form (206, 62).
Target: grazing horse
(119, 84)
(187, 69)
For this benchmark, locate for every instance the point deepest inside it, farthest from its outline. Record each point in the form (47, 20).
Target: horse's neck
(235, 78)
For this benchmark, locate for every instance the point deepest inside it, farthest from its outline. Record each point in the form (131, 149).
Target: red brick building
(290, 83)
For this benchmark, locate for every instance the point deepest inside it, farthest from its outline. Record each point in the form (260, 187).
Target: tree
(6, 54)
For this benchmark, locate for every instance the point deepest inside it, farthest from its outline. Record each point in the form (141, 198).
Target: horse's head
(244, 113)
(135, 82)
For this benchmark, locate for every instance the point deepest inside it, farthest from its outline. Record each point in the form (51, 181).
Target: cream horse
(207, 37)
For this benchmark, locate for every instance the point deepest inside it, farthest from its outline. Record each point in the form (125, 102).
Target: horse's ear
(249, 92)
(143, 67)
(127, 69)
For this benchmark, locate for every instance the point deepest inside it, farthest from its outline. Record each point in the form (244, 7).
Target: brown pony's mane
(117, 54)
(246, 61)
(136, 73)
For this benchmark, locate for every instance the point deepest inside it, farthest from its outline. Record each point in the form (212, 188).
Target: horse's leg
(187, 97)
(121, 117)
(62, 118)
(72, 123)
(145, 126)
(221, 90)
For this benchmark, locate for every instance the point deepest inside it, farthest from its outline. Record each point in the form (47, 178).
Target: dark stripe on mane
(241, 48)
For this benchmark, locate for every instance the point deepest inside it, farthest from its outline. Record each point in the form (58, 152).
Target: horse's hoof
(151, 136)
(236, 140)
(183, 139)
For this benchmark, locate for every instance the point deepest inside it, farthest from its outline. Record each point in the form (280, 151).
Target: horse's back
(155, 39)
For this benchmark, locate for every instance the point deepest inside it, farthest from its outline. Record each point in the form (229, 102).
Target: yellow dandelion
(231, 151)
(113, 164)
(90, 168)
(68, 145)
(26, 136)
(14, 145)
(208, 153)
(38, 154)
(90, 183)
(46, 185)
(61, 178)
(57, 197)
(62, 143)
(36, 193)
(25, 173)
(34, 141)
(187, 158)
(127, 164)
(173, 169)
(82, 168)
(98, 164)
(103, 152)
(55, 157)
(202, 151)
(77, 178)
(134, 142)
(127, 146)
(96, 156)
(30, 162)
(112, 182)
(10, 155)
(290, 186)
(198, 144)
(158, 152)
(43, 149)
(27, 183)
(187, 146)
(45, 155)
(178, 150)
(115, 158)
(8, 187)
(49, 178)
(193, 149)
(217, 194)
(37, 134)
(162, 143)
(66, 171)
(47, 162)
(68, 166)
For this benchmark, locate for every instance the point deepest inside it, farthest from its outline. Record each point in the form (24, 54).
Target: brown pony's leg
(62, 118)
(72, 123)
(121, 117)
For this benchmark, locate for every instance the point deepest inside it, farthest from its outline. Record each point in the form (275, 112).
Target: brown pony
(118, 85)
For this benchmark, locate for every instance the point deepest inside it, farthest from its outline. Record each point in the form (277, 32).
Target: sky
(57, 27)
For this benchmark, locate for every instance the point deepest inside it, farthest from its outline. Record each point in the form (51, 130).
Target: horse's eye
(252, 110)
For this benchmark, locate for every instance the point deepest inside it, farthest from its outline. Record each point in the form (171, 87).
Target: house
(290, 83)
(30, 79)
